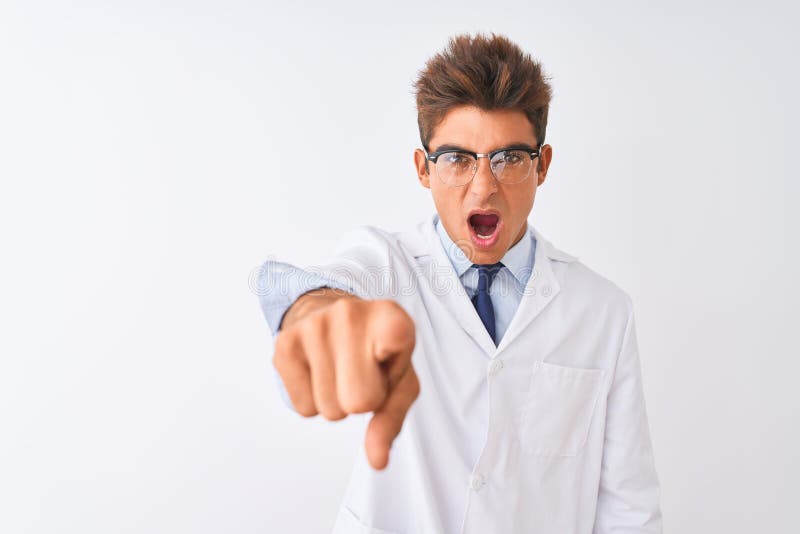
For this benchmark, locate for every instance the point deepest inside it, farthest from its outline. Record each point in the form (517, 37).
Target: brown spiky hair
(490, 72)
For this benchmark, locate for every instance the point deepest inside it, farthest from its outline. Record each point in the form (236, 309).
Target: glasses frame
(433, 156)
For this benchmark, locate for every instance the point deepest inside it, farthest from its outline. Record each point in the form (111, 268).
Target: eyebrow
(448, 146)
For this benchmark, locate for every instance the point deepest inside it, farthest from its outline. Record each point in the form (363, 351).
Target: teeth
(484, 236)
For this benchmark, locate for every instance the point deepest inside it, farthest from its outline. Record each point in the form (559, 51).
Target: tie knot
(486, 273)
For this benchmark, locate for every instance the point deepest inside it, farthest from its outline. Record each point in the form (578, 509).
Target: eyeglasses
(456, 167)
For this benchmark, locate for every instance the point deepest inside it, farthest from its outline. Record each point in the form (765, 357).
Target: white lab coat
(546, 433)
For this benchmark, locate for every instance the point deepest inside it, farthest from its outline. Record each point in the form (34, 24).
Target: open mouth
(484, 228)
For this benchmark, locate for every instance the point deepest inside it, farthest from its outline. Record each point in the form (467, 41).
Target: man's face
(503, 208)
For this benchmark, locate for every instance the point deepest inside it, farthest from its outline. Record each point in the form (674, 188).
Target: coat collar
(420, 244)
(518, 259)
(541, 288)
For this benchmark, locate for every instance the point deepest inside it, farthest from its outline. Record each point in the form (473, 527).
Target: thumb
(393, 338)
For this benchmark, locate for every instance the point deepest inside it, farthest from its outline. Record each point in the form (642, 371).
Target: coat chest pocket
(558, 409)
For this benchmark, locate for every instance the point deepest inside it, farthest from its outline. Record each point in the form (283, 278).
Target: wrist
(311, 301)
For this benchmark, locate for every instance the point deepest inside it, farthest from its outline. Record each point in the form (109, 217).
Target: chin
(492, 255)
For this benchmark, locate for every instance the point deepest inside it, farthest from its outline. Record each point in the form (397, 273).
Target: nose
(483, 184)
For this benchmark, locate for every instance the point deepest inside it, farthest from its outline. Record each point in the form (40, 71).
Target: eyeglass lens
(508, 166)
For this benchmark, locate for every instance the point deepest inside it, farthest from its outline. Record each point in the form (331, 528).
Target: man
(502, 374)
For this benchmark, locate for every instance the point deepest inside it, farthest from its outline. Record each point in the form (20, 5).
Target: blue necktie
(482, 300)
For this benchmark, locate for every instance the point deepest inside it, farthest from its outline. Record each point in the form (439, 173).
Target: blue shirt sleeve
(279, 285)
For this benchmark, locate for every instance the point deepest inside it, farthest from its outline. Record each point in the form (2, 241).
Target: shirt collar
(518, 259)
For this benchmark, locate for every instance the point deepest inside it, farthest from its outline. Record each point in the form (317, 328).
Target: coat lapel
(542, 287)
(434, 266)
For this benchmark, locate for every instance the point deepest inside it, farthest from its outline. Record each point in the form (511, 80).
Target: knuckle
(343, 306)
(312, 325)
(287, 363)
(392, 332)
(398, 318)
(345, 311)
(285, 348)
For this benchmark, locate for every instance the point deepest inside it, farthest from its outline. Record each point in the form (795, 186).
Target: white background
(149, 163)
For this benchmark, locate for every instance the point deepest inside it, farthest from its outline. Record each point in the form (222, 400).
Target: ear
(421, 165)
(543, 161)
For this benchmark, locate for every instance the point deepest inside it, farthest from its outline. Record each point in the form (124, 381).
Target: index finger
(387, 421)
(393, 338)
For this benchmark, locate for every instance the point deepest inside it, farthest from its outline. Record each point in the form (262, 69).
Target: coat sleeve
(364, 263)
(629, 493)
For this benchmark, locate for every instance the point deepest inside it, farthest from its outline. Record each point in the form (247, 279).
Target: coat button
(546, 291)
(477, 482)
(495, 367)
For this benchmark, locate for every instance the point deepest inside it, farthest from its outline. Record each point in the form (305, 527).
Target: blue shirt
(509, 283)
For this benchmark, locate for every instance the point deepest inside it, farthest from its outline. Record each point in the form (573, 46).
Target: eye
(457, 159)
(513, 157)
